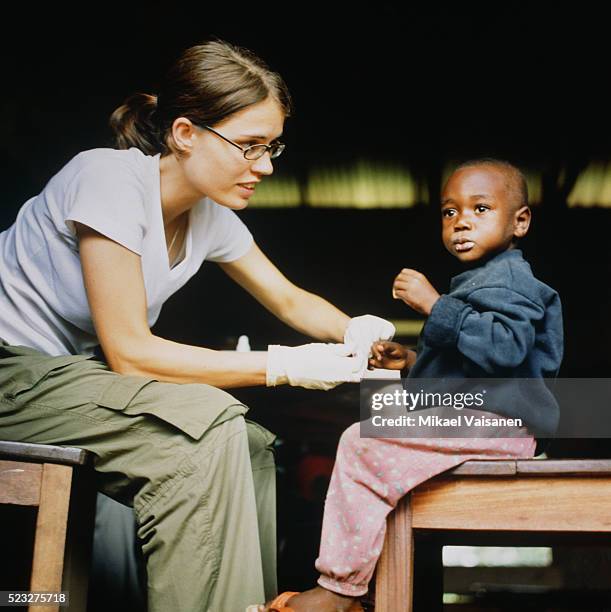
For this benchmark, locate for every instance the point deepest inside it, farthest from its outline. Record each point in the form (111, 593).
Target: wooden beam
(44, 453)
(486, 468)
(565, 467)
(580, 504)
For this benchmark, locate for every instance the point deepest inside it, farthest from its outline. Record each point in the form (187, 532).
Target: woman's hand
(415, 290)
(312, 366)
(391, 356)
(363, 331)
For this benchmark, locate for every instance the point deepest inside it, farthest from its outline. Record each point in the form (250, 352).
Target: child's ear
(521, 222)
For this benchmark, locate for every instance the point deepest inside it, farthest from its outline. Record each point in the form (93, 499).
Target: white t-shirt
(43, 303)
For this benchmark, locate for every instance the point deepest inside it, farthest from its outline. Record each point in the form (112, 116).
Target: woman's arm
(115, 288)
(302, 310)
(117, 299)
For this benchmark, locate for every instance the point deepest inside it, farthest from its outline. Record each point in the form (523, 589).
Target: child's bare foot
(321, 600)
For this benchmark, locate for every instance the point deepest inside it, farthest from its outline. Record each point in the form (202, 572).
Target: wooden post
(51, 526)
(395, 577)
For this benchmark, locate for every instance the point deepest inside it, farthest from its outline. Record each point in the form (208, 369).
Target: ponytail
(133, 124)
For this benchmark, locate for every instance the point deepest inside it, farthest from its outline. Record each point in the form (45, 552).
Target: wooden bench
(507, 498)
(58, 482)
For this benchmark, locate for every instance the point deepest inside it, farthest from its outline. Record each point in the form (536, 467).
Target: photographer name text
(437, 421)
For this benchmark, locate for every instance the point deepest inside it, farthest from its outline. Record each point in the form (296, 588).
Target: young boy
(496, 321)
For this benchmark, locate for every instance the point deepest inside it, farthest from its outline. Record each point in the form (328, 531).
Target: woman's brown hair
(208, 83)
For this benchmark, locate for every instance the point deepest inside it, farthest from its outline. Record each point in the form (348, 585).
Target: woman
(92, 259)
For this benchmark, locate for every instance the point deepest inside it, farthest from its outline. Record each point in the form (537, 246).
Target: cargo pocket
(29, 375)
(191, 408)
(120, 392)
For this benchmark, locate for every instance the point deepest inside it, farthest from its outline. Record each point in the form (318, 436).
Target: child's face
(479, 219)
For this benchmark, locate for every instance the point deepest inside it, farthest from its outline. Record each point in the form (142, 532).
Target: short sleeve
(232, 238)
(109, 197)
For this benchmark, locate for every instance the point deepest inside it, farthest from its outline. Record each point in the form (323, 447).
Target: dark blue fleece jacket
(498, 321)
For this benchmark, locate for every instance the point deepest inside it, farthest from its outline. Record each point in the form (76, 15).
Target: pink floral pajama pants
(369, 478)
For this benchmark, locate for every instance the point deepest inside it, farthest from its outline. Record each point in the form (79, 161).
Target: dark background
(422, 83)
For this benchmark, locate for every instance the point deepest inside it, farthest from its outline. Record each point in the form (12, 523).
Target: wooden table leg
(51, 526)
(395, 571)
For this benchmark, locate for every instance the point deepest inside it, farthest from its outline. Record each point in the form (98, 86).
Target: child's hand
(391, 356)
(415, 290)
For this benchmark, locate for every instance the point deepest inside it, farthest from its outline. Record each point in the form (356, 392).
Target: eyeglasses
(255, 151)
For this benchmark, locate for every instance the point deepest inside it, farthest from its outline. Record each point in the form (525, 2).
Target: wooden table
(547, 498)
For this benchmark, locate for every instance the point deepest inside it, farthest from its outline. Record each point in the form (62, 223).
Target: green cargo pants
(201, 479)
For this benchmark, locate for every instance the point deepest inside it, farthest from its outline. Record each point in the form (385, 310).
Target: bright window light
(455, 598)
(496, 556)
(365, 184)
(593, 186)
(276, 192)
(408, 327)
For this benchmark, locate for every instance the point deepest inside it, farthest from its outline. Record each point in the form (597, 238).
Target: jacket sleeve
(494, 329)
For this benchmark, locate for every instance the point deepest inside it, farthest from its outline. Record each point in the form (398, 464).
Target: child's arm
(494, 329)
(415, 290)
(392, 356)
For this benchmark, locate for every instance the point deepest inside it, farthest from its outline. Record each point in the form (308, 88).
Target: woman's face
(217, 169)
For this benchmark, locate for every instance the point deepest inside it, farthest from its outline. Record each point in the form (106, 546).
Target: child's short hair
(514, 178)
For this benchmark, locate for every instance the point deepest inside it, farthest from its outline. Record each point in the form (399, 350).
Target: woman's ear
(181, 136)
(521, 222)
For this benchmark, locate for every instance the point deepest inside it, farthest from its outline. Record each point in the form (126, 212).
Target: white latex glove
(363, 331)
(313, 366)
